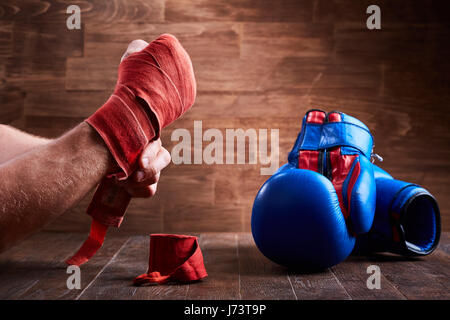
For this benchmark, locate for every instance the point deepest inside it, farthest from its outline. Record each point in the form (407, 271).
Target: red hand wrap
(91, 245)
(155, 87)
(173, 258)
(157, 82)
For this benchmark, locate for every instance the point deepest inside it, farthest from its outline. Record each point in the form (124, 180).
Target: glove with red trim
(308, 214)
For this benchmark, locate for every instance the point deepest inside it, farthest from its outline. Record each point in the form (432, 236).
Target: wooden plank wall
(259, 64)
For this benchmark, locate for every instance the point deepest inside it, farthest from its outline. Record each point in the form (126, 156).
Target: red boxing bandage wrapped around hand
(155, 87)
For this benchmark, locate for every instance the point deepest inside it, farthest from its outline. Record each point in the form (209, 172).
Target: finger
(134, 181)
(149, 174)
(144, 192)
(154, 167)
(134, 46)
(150, 153)
(145, 180)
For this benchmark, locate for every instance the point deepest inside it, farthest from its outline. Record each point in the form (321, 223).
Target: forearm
(40, 184)
(14, 142)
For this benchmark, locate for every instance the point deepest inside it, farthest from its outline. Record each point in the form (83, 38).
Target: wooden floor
(237, 270)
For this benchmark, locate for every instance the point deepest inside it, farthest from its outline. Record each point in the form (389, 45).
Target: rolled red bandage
(155, 87)
(173, 258)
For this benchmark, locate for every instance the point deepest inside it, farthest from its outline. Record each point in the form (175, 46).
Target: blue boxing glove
(407, 219)
(306, 216)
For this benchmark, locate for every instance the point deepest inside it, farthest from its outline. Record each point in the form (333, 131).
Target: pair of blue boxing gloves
(330, 201)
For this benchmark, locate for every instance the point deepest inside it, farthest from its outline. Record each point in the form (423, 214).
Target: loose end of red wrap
(91, 245)
(151, 278)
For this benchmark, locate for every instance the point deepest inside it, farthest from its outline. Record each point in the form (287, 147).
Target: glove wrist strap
(320, 135)
(333, 134)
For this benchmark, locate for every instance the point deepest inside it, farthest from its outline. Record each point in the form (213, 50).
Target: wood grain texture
(116, 282)
(53, 282)
(199, 39)
(6, 39)
(35, 269)
(240, 10)
(409, 12)
(258, 65)
(220, 254)
(444, 244)
(12, 103)
(105, 11)
(352, 274)
(260, 278)
(117, 279)
(236, 270)
(408, 277)
(316, 286)
(48, 39)
(23, 266)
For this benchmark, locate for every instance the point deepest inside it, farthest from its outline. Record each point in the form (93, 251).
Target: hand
(143, 182)
(154, 158)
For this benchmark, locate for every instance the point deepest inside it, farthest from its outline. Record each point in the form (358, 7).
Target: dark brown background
(259, 64)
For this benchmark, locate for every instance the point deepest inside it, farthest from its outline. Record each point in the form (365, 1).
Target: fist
(144, 181)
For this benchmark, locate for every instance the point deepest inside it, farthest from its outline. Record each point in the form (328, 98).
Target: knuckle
(151, 191)
(136, 43)
(150, 151)
(151, 171)
(154, 179)
(149, 181)
(166, 156)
